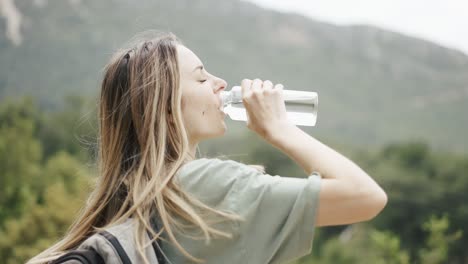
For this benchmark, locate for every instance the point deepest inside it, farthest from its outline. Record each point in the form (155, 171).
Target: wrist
(281, 133)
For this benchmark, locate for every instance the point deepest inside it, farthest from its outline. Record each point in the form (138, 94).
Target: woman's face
(201, 98)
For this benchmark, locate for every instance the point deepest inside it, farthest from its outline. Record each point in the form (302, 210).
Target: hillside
(374, 86)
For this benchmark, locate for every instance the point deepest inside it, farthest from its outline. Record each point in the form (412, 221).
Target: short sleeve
(212, 181)
(280, 214)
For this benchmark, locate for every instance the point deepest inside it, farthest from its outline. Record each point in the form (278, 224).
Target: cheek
(193, 108)
(195, 104)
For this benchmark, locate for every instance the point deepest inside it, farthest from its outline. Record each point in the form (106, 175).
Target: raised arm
(347, 194)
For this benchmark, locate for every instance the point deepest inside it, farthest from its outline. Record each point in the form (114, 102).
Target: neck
(193, 149)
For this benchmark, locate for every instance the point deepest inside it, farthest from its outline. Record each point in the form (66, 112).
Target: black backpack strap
(157, 245)
(85, 256)
(157, 249)
(118, 247)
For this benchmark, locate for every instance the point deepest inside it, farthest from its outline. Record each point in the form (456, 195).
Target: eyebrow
(198, 67)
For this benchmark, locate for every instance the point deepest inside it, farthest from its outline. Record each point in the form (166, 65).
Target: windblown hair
(142, 143)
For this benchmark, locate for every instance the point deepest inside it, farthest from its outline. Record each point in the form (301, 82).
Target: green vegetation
(47, 173)
(42, 186)
(395, 105)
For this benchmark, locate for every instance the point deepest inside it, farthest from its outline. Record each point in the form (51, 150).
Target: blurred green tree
(20, 155)
(40, 225)
(438, 241)
(39, 196)
(421, 183)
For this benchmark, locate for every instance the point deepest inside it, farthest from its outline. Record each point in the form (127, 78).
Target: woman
(157, 103)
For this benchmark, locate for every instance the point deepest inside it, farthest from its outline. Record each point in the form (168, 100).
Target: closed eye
(202, 81)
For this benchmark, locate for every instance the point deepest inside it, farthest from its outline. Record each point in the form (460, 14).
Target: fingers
(246, 86)
(279, 88)
(257, 85)
(267, 85)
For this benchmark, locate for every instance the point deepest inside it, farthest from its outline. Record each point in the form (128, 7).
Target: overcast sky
(441, 21)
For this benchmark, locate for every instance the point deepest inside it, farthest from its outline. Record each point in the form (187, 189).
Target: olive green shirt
(279, 213)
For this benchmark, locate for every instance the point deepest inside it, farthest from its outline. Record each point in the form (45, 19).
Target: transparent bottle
(301, 106)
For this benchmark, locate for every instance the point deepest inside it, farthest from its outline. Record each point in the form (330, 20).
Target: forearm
(312, 155)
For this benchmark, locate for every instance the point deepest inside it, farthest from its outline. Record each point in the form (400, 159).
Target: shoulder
(102, 246)
(212, 178)
(116, 243)
(205, 168)
(207, 164)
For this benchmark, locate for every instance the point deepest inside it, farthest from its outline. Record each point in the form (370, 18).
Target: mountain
(374, 86)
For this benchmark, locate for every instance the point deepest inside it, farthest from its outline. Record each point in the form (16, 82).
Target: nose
(220, 85)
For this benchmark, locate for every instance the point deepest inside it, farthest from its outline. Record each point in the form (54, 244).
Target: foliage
(20, 154)
(39, 199)
(41, 225)
(361, 243)
(438, 241)
(46, 177)
(421, 183)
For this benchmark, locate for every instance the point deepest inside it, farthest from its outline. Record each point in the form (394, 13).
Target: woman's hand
(265, 107)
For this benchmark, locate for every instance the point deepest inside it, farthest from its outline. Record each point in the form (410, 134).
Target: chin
(224, 127)
(213, 132)
(220, 132)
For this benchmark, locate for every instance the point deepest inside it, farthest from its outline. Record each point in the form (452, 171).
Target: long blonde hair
(142, 144)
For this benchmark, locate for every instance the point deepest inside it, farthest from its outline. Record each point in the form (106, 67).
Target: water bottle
(301, 106)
